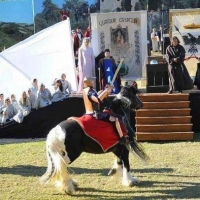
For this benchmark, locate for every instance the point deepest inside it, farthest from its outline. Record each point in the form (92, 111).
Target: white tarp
(45, 56)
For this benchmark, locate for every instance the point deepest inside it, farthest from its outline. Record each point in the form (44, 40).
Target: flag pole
(33, 8)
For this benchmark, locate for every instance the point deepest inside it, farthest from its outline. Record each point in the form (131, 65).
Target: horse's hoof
(69, 192)
(134, 182)
(130, 183)
(75, 184)
(112, 172)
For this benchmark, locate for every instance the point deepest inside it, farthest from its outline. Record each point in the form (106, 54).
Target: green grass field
(173, 172)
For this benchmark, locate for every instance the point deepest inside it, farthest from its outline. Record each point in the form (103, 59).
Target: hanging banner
(125, 34)
(185, 24)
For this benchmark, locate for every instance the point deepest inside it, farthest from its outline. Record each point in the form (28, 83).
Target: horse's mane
(128, 90)
(123, 98)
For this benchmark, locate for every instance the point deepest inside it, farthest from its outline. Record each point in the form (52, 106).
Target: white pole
(33, 8)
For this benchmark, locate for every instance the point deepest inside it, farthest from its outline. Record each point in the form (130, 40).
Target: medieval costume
(86, 62)
(197, 77)
(161, 39)
(67, 88)
(34, 89)
(87, 32)
(43, 97)
(8, 112)
(58, 95)
(77, 39)
(32, 100)
(179, 78)
(154, 40)
(92, 102)
(107, 69)
(24, 104)
(64, 14)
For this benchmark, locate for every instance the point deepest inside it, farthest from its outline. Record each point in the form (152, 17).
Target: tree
(79, 15)
(49, 15)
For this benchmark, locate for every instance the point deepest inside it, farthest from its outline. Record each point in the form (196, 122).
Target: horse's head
(129, 97)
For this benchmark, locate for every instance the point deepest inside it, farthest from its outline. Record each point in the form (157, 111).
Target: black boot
(124, 140)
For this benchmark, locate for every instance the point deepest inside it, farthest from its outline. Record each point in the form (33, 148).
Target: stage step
(162, 112)
(166, 105)
(164, 127)
(164, 117)
(164, 136)
(164, 97)
(164, 120)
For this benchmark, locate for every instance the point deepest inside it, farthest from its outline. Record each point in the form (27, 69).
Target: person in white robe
(2, 105)
(14, 102)
(32, 99)
(154, 40)
(58, 94)
(43, 97)
(86, 62)
(34, 89)
(24, 104)
(8, 112)
(67, 88)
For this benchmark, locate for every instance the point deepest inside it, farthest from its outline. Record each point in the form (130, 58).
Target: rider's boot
(123, 139)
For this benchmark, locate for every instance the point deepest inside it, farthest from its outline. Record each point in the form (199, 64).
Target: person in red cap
(77, 37)
(64, 14)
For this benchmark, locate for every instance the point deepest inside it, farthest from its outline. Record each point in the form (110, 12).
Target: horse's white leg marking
(116, 170)
(127, 179)
(56, 149)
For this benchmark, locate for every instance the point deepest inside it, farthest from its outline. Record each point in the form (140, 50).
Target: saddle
(102, 132)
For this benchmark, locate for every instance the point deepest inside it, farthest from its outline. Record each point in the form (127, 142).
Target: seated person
(24, 104)
(58, 94)
(43, 97)
(92, 101)
(32, 99)
(34, 89)
(2, 103)
(8, 112)
(67, 89)
(14, 102)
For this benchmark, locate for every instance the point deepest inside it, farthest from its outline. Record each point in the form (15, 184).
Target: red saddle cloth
(104, 133)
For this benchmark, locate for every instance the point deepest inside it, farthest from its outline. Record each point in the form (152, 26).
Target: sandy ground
(12, 140)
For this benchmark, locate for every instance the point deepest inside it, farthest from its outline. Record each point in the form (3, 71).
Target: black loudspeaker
(157, 78)
(153, 5)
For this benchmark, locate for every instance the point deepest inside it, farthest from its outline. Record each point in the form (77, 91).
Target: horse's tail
(137, 149)
(57, 159)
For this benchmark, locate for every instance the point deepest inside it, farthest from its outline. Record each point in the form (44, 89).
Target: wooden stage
(159, 111)
(168, 116)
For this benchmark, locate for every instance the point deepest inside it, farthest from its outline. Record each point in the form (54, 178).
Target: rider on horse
(92, 102)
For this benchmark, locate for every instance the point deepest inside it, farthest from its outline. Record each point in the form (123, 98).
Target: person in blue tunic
(107, 70)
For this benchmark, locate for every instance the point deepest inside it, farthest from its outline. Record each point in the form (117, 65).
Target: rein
(128, 104)
(127, 118)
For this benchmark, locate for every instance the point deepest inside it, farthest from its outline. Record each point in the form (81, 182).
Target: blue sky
(21, 10)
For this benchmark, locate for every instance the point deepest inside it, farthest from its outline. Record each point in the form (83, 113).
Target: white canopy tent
(45, 56)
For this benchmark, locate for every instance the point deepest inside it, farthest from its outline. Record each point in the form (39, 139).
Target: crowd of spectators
(36, 97)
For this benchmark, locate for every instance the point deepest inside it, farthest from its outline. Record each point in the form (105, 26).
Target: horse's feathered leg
(57, 161)
(116, 170)
(122, 165)
(127, 179)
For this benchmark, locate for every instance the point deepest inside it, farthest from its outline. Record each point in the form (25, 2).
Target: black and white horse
(67, 141)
